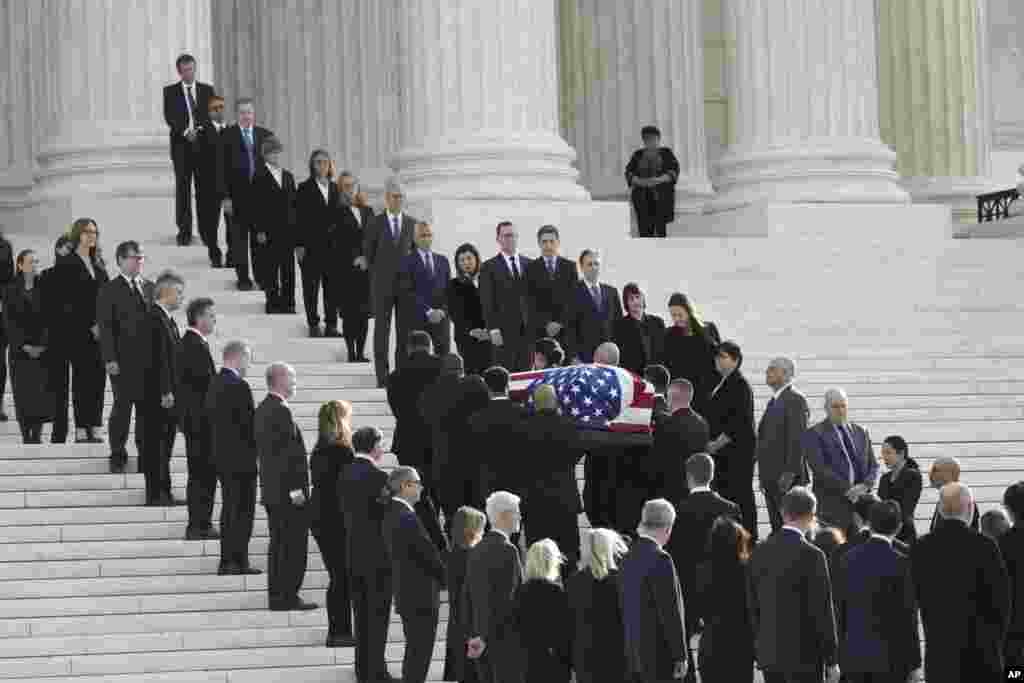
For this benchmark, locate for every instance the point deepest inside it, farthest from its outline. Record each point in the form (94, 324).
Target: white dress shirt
(322, 184)
(278, 173)
(358, 214)
(188, 105)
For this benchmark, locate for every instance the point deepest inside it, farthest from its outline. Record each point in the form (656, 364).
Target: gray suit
(827, 457)
(779, 448)
(384, 256)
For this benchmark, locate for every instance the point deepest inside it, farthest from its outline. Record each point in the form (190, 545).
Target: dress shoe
(168, 500)
(341, 641)
(314, 331)
(200, 534)
(3, 416)
(184, 239)
(117, 466)
(228, 570)
(297, 605)
(331, 332)
(249, 570)
(215, 263)
(245, 286)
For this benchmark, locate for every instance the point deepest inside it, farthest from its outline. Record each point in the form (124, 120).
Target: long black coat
(665, 193)
(352, 286)
(281, 451)
(676, 438)
(230, 414)
(125, 333)
(727, 642)
(24, 317)
(497, 435)
(599, 650)
(457, 666)
(364, 502)
(412, 443)
(639, 341)
(316, 219)
(493, 576)
(1011, 545)
(195, 370)
(70, 298)
(905, 489)
(466, 313)
(326, 463)
(545, 623)
(692, 357)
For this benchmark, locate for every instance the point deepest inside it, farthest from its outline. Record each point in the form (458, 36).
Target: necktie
(137, 287)
(428, 261)
(394, 228)
(595, 292)
(247, 137)
(515, 269)
(848, 448)
(191, 101)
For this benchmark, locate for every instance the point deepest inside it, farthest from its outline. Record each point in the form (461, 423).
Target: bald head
(607, 354)
(945, 470)
(956, 502)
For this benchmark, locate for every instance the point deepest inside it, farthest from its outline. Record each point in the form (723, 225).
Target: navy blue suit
(591, 323)
(420, 290)
(877, 612)
(826, 454)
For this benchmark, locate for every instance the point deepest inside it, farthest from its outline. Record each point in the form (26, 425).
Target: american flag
(598, 397)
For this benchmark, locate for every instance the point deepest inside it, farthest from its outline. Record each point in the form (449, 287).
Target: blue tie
(247, 136)
(848, 447)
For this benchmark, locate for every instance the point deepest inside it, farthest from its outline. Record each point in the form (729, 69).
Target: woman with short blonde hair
(544, 619)
(598, 640)
(543, 561)
(467, 530)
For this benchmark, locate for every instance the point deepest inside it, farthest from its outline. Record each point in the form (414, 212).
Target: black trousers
(119, 421)
(355, 329)
(277, 272)
(238, 247)
(600, 489)
(238, 507)
(88, 382)
(648, 222)
(339, 597)
(734, 480)
(31, 430)
(161, 427)
(202, 478)
(383, 310)
(371, 601)
(316, 275)
(185, 158)
(208, 202)
(420, 629)
(288, 551)
(773, 501)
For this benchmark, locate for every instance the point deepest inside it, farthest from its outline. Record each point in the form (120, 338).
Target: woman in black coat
(598, 644)
(545, 623)
(25, 321)
(730, 416)
(727, 643)
(639, 336)
(467, 530)
(332, 453)
(689, 349)
(70, 290)
(651, 175)
(351, 289)
(901, 483)
(7, 274)
(471, 336)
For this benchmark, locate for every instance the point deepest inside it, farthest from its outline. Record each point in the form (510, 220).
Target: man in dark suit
(160, 386)
(230, 413)
(875, 605)
(1011, 545)
(945, 469)
(210, 160)
(316, 205)
(596, 308)
(273, 254)
(550, 287)
(284, 481)
(793, 645)
(195, 371)
(122, 314)
(243, 157)
(651, 600)
(365, 502)
(417, 571)
(963, 591)
(503, 298)
(495, 432)
(677, 436)
(493, 576)
(423, 291)
(696, 514)
(436, 404)
(780, 454)
(386, 242)
(842, 459)
(185, 111)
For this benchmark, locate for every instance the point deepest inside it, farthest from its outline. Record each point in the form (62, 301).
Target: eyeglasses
(137, 257)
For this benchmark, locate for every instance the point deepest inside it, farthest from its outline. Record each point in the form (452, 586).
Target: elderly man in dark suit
(122, 314)
(210, 160)
(242, 158)
(550, 286)
(596, 310)
(503, 297)
(842, 459)
(230, 413)
(963, 591)
(387, 240)
(195, 371)
(780, 454)
(677, 435)
(417, 571)
(657, 644)
(494, 574)
(284, 481)
(875, 605)
(423, 291)
(185, 111)
(794, 645)
(365, 502)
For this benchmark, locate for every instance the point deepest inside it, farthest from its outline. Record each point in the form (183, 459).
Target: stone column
(803, 97)
(104, 65)
(625, 65)
(1005, 31)
(19, 138)
(934, 98)
(479, 102)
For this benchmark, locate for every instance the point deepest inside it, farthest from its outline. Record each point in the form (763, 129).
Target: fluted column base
(825, 170)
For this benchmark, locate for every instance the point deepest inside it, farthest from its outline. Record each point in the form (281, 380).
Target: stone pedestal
(803, 100)
(479, 102)
(625, 65)
(19, 136)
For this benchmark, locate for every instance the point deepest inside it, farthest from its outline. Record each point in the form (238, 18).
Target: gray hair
(499, 502)
(166, 279)
(787, 366)
(393, 185)
(658, 514)
(833, 394)
(607, 354)
(602, 549)
(274, 369)
(401, 475)
(234, 348)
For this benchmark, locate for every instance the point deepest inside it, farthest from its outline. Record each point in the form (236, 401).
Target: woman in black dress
(727, 643)
(351, 288)
(471, 336)
(545, 624)
(598, 652)
(901, 483)
(332, 453)
(467, 530)
(689, 349)
(25, 321)
(651, 175)
(639, 335)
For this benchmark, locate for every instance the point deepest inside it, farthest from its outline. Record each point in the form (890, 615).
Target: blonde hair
(543, 561)
(467, 525)
(335, 422)
(602, 549)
